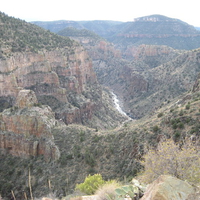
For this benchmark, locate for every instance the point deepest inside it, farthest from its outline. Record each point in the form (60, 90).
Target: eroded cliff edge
(62, 78)
(25, 129)
(57, 69)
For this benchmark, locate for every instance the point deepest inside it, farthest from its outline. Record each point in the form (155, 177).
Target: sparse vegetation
(107, 191)
(160, 115)
(21, 36)
(155, 128)
(169, 158)
(115, 153)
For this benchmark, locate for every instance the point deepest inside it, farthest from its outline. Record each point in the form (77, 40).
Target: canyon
(59, 86)
(66, 102)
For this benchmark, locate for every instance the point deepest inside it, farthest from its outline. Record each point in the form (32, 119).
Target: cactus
(131, 191)
(126, 191)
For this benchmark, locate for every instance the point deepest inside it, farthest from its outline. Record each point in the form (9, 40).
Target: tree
(171, 159)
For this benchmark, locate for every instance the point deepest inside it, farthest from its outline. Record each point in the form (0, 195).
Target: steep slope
(166, 82)
(97, 47)
(136, 82)
(114, 154)
(145, 89)
(57, 69)
(156, 76)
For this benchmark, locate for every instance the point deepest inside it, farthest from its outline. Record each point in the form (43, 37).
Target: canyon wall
(25, 129)
(57, 77)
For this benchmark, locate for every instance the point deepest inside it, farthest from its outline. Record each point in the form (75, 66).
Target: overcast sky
(118, 10)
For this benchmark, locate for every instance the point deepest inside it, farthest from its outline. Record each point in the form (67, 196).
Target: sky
(117, 10)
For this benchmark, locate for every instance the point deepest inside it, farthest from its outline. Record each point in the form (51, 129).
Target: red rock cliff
(62, 74)
(25, 130)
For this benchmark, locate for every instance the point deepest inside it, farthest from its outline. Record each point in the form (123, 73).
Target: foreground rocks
(168, 188)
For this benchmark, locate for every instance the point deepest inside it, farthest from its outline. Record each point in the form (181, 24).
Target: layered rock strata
(25, 129)
(57, 77)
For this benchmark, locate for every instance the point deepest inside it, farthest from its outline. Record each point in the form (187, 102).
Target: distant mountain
(100, 27)
(74, 32)
(150, 30)
(55, 26)
(156, 30)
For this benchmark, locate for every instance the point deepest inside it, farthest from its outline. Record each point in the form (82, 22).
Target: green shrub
(160, 115)
(89, 158)
(181, 125)
(187, 107)
(91, 184)
(155, 129)
(177, 135)
(181, 113)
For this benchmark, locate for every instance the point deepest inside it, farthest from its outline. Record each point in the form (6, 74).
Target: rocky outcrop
(26, 130)
(168, 188)
(151, 55)
(62, 75)
(26, 98)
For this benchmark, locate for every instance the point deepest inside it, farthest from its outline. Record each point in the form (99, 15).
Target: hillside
(19, 36)
(114, 154)
(56, 68)
(149, 81)
(58, 124)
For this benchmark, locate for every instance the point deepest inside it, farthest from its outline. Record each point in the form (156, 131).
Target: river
(117, 105)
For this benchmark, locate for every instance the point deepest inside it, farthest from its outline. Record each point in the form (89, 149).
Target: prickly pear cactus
(130, 191)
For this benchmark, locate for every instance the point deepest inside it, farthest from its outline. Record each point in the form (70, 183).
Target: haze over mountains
(142, 45)
(58, 120)
(154, 29)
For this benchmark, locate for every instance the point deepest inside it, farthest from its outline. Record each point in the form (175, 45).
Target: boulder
(168, 188)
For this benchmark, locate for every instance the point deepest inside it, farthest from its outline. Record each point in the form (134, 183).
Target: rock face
(26, 130)
(168, 188)
(151, 55)
(58, 78)
(26, 98)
